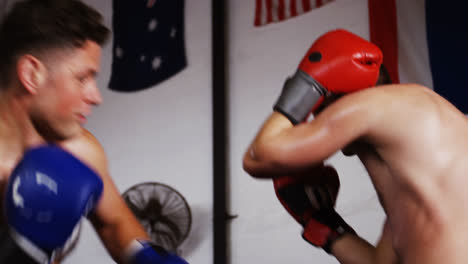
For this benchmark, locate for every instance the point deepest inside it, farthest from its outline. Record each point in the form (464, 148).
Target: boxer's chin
(58, 131)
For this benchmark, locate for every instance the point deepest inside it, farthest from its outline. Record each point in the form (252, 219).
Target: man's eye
(83, 79)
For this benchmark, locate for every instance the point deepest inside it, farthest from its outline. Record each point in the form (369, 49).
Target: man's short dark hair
(38, 26)
(384, 76)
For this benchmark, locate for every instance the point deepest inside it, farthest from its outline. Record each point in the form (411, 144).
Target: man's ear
(31, 73)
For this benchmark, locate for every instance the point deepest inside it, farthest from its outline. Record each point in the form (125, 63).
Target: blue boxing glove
(144, 252)
(47, 195)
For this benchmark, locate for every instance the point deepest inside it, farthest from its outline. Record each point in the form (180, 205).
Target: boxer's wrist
(340, 242)
(301, 94)
(143, 251)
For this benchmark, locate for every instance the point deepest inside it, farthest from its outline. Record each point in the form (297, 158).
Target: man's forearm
(117, 237)
(261, 156)
(351, 249)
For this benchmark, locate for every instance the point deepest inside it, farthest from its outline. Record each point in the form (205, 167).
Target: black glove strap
(338, 226)
(13, 252)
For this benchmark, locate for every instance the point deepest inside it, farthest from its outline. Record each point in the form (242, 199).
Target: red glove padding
(338, 62)
(310, 200)
(343, 62)
(325, 229)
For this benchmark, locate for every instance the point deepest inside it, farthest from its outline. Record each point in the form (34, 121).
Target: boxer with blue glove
(50, 53)
(47, 195)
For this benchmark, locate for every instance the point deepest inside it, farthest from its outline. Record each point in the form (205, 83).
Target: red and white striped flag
(268, 11)
(418, 39)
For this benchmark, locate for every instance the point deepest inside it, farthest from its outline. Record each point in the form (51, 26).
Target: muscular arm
(112, 219)
(355, 250)
(281, 148)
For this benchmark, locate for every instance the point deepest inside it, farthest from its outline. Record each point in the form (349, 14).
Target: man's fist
(310, 199)
(338, 62)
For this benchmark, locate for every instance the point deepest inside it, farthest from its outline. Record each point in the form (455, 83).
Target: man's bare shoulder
(87, 148)
(394, 99)
(391, 111)
(369, 106)
(402, 114)
(387, 93)
(415, 101)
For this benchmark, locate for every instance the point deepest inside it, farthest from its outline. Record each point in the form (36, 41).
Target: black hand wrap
(300, 94)
(10, 252)
(325, 228)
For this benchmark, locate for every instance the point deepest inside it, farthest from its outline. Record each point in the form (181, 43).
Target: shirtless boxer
(49, 57)
(413, 144)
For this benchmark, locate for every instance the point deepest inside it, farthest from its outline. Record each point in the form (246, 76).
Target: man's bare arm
(351, 249)
(280, 148)
(112, 219)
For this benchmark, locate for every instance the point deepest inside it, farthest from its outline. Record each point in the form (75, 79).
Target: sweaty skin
(414, 145)
(50, 104)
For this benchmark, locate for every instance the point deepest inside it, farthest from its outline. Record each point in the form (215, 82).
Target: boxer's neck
(17, 132)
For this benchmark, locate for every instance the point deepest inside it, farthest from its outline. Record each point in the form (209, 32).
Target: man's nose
(93, 95)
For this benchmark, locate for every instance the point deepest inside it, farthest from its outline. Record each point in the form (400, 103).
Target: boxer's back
(418, 163)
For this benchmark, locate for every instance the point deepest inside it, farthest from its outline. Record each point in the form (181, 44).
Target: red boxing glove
(310, 200)
(342, 62)
(338, 62)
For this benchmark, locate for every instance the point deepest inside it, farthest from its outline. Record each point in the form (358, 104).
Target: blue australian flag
(148, 43)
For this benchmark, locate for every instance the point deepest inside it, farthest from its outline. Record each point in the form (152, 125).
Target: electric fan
(162, 211)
